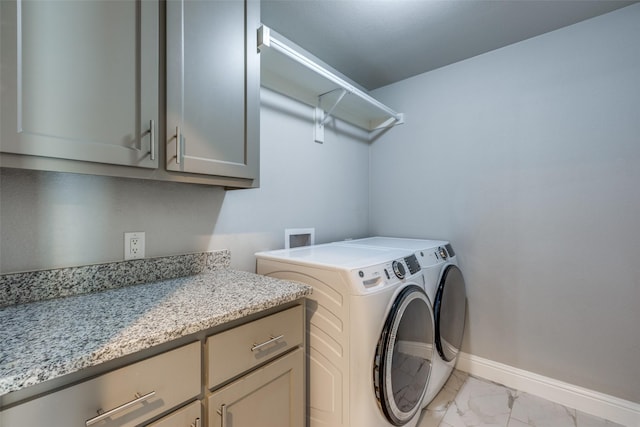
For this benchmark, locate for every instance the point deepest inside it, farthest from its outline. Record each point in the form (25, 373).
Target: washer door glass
(449, 307)
(404, 355)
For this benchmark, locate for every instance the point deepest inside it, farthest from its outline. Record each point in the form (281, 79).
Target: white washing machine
(371, 332)
(445, 287)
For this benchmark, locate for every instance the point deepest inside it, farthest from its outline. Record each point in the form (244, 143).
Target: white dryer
(445, 287)
(371, 332)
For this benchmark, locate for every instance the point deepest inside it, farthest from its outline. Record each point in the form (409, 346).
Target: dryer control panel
(434, 256)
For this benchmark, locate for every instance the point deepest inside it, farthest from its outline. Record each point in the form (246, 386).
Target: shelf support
(318, 127)
(322, 118)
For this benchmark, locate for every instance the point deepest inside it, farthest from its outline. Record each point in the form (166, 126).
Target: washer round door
(404, 356)
(450, 312)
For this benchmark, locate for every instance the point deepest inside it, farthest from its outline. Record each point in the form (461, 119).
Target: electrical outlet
(134, 245)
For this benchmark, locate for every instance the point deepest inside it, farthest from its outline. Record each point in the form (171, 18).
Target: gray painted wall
(50, 220)
(528, 159)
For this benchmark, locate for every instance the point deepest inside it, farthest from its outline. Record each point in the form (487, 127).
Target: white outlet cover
(134, 245)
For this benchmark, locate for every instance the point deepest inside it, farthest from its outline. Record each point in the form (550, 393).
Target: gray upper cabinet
(213, 88)
(79, 80)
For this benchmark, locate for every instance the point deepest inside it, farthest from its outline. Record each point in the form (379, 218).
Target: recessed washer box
(296, 237)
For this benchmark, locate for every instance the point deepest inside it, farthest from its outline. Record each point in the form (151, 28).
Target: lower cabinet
(256, 373)
(272, 396)
(125, 397)
(254, 376)
(242, 348)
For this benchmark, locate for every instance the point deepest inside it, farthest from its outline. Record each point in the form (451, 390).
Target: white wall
(528, 159)
(50, 220)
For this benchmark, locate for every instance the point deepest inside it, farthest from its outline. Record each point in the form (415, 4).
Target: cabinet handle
(152, 132)
(178, 143)
(223, 415)
(196, 423)
(272, 340)
(102, 415)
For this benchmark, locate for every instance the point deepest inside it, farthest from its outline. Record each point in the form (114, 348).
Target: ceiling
(379, 42)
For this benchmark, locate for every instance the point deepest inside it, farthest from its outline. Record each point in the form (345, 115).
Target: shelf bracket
(321, 118)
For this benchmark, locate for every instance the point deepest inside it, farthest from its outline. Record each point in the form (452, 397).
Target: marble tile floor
(467, 401)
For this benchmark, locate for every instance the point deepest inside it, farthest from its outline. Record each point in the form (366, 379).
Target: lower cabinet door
(189, 416)
(272, 396)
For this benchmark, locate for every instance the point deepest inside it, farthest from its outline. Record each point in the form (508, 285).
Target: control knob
(443, 253)
(398, 269)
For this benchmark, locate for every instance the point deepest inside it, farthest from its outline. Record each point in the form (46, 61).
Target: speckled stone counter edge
(32, 286)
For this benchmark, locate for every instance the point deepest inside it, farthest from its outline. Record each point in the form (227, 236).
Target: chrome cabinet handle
(196, 423)
(152, 132)
(272, 340)
(223, 415)
(178, 143)
(102, 415)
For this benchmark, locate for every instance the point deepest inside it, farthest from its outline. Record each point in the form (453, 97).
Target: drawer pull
(102, 415)
(152, 143)
(273, 339)
(178, 143)
(196, 423)
(223, 415)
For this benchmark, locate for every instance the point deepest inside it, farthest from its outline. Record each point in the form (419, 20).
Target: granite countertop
(47, 339)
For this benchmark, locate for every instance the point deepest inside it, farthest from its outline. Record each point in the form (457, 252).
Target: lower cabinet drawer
(127, 396)
(237, 350)
(189, 416)
(271, 396)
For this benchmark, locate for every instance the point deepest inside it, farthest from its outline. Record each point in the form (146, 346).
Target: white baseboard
(592, 402)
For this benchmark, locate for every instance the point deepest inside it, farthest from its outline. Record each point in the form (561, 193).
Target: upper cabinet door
(79, 80)
(213, 87)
